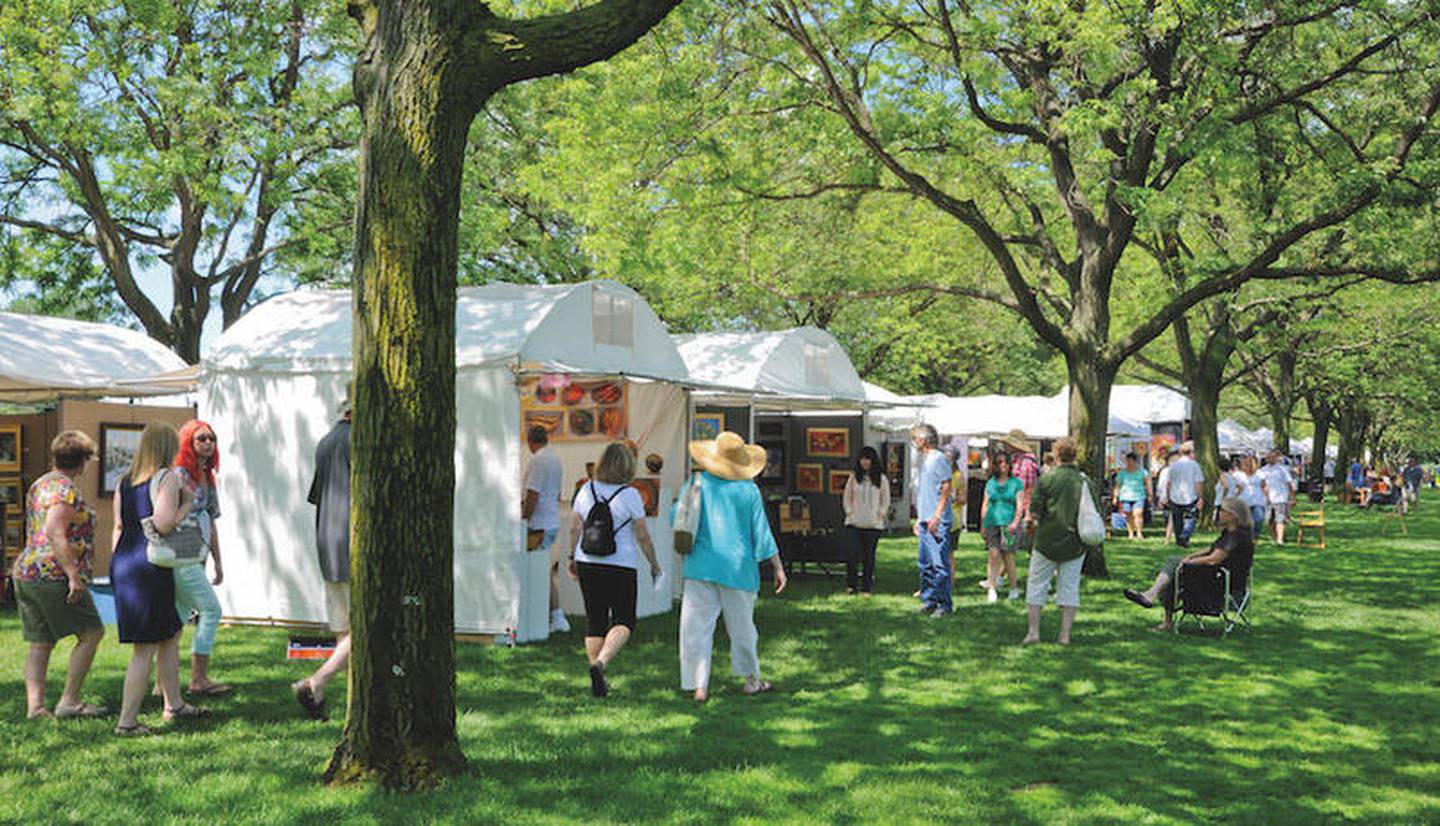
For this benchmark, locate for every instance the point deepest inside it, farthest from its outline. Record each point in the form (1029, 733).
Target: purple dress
(144, 594)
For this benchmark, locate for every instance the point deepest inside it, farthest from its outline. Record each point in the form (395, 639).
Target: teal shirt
(1131, 484)
(1002, 495)
(734, 536)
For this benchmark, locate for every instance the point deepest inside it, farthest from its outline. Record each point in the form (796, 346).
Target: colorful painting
(13, 534)
(895, 468)
(574, 411)
(809, 478)
(827, 441)
(118, 444)
(706, 426)
(838, 480)
(649, 489)
(10, 449)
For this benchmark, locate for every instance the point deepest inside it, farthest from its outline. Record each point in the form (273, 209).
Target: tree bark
(1091, 381)
(1322, 413)
(400, 729)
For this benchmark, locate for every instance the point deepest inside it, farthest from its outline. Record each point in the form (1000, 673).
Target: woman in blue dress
(145, 594)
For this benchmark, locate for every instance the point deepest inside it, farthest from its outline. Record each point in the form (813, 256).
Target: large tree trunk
(1347, 446)
(1281, 402)
(1090, 383)
(401, 724)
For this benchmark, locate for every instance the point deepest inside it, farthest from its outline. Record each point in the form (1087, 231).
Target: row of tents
(272, 383)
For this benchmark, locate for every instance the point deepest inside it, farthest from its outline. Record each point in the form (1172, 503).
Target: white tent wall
(492, 581)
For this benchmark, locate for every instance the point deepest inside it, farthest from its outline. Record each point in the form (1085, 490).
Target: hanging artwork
(574, 411)
(118, 444)
(706, 426)
(827, 441)
(895, 468)
(10, 449)
(11, 496)
(774, 462)
(810, 478)
(838, 479)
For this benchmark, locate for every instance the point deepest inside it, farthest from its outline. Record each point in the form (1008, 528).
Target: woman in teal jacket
(722, 573)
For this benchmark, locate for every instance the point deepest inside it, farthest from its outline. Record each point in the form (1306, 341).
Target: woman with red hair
(195, 465)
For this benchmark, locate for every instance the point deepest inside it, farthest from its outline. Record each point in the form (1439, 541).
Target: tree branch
(543, 46)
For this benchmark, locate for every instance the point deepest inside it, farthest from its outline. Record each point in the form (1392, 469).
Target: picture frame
(10, 455)
(706, 426)
(774, 462)
(827, 441)
(838, 480)
(14, 535)
(894, 458)
(810, 478)
(118, 444)
(12, 496)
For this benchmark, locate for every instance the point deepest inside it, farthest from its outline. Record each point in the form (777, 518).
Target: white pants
(1067, 584)
(701, 605)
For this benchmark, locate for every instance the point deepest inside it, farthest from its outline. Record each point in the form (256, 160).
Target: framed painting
(774, 463)
(706, 426)
(838, 479)
(12, 496)
(118, 445)
(827, 441)
(14, 535)
(10, 448)
(809, 478)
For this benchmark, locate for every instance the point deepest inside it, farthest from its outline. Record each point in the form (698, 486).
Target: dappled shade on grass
(1327, 710)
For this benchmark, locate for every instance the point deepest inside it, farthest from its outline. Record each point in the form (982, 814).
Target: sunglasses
(204, 437)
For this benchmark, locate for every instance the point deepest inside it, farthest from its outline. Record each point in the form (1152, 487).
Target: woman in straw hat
(722, 574)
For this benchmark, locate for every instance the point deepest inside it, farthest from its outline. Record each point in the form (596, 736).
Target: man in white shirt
(1279, 487)
(541, 510)
(1185, 491)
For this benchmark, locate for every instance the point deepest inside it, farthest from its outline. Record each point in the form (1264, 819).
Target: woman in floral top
(52, 578)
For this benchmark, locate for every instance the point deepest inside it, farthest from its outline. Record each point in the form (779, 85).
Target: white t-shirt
(1253, 494)
(626, 508)
(1186, 476)
(1278, 483)
(1162, 485)
(544, 476)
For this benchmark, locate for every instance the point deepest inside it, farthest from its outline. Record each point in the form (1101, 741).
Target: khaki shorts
(45, 616)
(337, 606)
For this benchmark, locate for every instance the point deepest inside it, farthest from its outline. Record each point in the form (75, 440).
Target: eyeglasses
(204, 437)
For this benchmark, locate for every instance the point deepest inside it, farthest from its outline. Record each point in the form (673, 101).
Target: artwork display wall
(571, 410)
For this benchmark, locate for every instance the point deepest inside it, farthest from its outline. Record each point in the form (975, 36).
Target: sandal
(1138, 598)
(82, 711)
(212, 690)
(186, 712)
(753, 687)
(314, 706)
(137, 730)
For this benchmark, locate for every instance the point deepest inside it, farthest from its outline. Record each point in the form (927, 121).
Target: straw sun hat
(1017, 439)
(728, 457)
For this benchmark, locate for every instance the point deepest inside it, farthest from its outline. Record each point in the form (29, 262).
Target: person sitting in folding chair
(1234, 550)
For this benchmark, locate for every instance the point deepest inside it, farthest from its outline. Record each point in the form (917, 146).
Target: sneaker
(926, 608)
(1014, 594)
(558, 623)
(991, 596)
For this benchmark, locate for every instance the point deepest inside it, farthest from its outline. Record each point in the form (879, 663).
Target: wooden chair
(1392, 513)
(1313, 518)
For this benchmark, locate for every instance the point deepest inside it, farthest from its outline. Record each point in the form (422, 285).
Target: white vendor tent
(783, 369)
(1148, 403)
(271, 389)
(43, 358)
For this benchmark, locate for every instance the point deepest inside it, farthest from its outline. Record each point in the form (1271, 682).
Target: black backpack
(597, 538)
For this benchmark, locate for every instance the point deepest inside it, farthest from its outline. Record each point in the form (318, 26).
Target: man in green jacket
(1054, 507)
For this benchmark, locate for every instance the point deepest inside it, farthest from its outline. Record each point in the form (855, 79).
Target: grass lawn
(1329, 710)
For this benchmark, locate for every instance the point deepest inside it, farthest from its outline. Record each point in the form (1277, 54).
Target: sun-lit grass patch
(1328, 710)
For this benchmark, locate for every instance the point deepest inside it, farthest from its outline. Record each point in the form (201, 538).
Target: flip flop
(314, 707)
(82, 711)
(186, 712)
(136, 730)
(212, 690)
(1138, 598)
(760, 687)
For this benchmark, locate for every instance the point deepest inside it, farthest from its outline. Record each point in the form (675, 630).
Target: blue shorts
(1132, 505)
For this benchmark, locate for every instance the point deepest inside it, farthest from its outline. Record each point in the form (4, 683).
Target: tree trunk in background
(1090, 386)
(1280, 401)
(400, 729)
(1321, 413)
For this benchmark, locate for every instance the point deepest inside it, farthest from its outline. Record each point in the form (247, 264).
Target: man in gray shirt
(330, 494)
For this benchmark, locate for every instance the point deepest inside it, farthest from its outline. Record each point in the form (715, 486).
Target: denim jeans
(1183, 518)
(193, 592)
(1257, 516)
(935, 568)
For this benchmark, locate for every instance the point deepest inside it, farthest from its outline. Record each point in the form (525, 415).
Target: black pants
(860, 554)
(609, 592)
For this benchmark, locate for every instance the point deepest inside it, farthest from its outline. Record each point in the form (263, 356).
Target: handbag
(687, 517)
(533, 539)
(183, 545)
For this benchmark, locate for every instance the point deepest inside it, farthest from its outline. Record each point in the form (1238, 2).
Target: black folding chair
(1203, 591)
